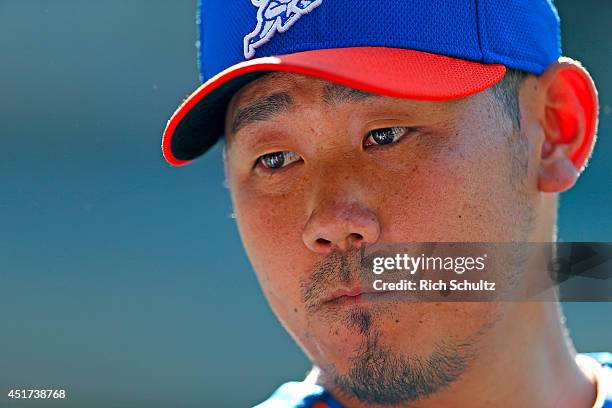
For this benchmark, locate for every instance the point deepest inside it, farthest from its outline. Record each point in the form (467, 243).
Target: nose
(340, 225)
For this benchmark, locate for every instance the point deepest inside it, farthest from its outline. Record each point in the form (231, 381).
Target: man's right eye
(277, 160)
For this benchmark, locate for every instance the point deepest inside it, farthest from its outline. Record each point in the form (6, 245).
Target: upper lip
(348, 292)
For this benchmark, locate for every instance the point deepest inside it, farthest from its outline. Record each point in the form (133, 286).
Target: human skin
(459, 173)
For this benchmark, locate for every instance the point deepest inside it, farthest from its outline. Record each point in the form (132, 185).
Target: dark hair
(506, 92)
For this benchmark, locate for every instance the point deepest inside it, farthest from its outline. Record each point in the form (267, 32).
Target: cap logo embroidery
(273, 16)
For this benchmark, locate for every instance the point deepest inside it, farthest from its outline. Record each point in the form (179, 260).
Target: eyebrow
(266, 107)
(262, 109)
(335, 94)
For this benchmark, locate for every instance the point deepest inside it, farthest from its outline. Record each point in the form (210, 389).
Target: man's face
(317, 170)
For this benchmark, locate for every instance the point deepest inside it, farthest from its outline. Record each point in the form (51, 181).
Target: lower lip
(359, 299)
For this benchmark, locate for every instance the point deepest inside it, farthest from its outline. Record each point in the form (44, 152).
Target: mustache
(335, 270)
(348, 269)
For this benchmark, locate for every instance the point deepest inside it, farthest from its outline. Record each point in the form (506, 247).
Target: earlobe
(569, 122)
(557, 171)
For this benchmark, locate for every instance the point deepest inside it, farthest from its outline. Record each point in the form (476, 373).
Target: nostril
(340, 226)
(323, 241)
(354, 237)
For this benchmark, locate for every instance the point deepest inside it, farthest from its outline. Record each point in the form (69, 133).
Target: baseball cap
(414, 49)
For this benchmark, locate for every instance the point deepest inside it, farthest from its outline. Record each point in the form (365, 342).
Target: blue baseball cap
(413, 49)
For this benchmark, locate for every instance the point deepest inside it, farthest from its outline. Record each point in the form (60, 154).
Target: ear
(569, 121)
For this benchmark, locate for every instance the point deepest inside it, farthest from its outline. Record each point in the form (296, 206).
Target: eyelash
(398, 133)
(275, 155)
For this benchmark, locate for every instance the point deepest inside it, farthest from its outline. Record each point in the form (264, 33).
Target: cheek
(458, 189)
(450, 323)
(270, 228)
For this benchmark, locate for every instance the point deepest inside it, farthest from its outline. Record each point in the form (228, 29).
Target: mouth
(357, 295)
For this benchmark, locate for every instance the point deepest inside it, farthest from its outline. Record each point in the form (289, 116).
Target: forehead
(298, 86)
(280, 91)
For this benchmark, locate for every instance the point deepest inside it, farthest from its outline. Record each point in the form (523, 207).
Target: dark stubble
(379, 374)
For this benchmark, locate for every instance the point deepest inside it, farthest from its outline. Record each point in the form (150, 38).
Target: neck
(527, 361)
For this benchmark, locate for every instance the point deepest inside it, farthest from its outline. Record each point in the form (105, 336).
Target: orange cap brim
(399, 73)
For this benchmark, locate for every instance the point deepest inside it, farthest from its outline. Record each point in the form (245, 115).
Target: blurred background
(123, 280)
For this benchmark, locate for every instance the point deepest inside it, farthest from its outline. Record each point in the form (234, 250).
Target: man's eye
(277, 160)
(385, 136)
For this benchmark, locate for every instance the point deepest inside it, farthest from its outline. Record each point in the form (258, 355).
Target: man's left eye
(384, 136)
